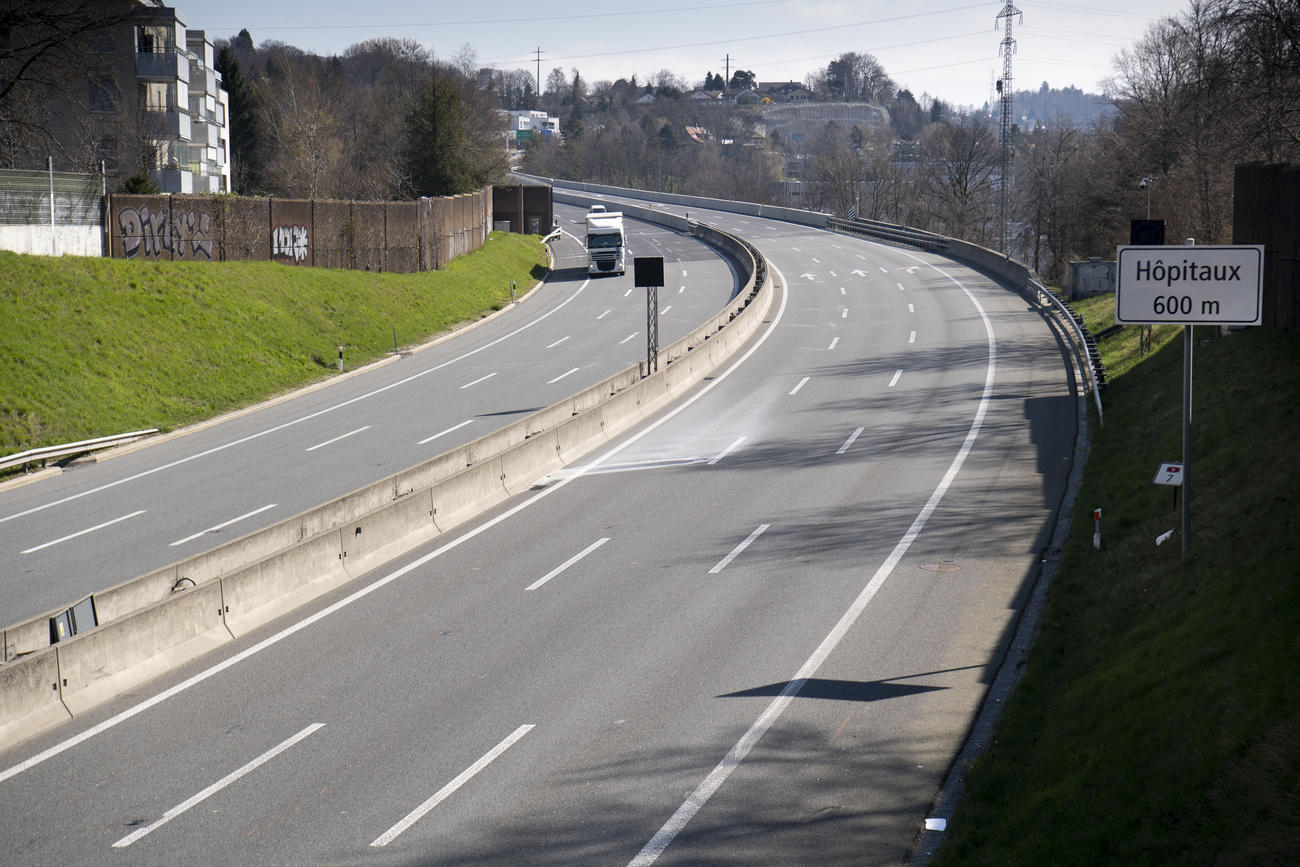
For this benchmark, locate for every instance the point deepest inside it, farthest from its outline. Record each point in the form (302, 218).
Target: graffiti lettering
(290, 243)
(188, 235)
(192, 234)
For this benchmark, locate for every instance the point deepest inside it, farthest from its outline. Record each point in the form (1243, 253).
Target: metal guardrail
(927, 241)
(44, 453)
(1096, 369)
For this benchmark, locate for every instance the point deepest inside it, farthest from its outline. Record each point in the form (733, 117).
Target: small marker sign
(1169, 474)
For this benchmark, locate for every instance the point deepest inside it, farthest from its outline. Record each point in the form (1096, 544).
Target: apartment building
(139, 95)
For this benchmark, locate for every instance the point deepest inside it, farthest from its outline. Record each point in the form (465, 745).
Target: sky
(947, 49)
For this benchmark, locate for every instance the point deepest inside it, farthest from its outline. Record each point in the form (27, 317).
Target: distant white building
(524, 125)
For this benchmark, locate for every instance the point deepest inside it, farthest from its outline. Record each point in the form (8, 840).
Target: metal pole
(53, 249)
(1187, 432)
(1187, 438)
(651, 329)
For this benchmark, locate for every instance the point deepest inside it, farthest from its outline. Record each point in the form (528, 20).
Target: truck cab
(606, 242)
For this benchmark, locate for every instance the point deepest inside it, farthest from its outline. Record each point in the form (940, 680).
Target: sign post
(1208, 285)
(648, 274)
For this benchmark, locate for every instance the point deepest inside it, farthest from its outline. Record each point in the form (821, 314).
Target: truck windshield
(611, 240)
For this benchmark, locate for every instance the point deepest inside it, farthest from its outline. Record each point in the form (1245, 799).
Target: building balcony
(176, 180)
(162, 66)
(203, 80)
(205, 134)
(170, 124)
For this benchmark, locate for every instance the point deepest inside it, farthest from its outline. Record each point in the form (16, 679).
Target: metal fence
(25, 198)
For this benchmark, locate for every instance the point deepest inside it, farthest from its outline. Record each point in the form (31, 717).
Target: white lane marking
(832, 273)
(665, 310)
(697, 799)
(628, 292)
(567, 563)
(337, 438)
(480, 379)
(83, 532)
(221, 526)
(602, 316)
(860, 256)
(380, 583)
(454, 427)
(683, 272)
(911, 308)
(218, 786)
(834, 343)
(728, 450)
(562, 375)
(558, 342)
(883, 269)
(843, 291)
(911, 338)
(237, 442)
(897, 375)
(681, 290)
(796, 249)
(795, 390)
(844, 314)
(629, 337)
(901, 287)
(848, 443)
(816, 260)
(739, 549)
(450, 789)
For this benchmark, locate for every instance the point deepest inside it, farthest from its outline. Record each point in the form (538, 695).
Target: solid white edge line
(801, 384)
(697, 799)
(897, 375)
(848, 443)
(218, 786)
(728, 450)
(179, 461)
(337, 438)
(739, 549)
(82, 532)
(567, 563)
(223, 525)
(114, 721)
(454, 427)
(450, 789)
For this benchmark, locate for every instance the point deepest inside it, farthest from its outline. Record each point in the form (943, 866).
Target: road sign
(1169, 474)
(1206, 285)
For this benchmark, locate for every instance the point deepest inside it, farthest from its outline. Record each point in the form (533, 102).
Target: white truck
(606, 243)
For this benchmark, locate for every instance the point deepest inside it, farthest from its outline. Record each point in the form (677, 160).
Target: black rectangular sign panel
(648, 271)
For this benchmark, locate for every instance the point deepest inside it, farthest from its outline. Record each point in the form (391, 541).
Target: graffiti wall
(378, 236)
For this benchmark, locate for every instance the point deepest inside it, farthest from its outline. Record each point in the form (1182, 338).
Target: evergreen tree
(435, 155)
(247, 169)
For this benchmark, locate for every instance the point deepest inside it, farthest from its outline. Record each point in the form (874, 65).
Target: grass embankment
(91, 347)
(1158, 719)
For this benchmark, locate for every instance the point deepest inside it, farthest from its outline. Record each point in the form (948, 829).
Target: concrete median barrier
(527, 462)
(275, 585)
(29, 697)
(100, 664)
(466, 494)
(385, 533)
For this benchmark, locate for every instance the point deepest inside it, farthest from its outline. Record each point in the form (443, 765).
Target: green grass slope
(1158, 718)
(91, 347)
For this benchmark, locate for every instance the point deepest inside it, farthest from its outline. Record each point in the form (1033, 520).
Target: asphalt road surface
(754, 631)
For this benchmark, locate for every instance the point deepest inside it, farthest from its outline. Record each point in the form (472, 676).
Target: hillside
(1156, 721)
(91, 347)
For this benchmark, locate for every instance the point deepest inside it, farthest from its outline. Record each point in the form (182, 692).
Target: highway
(753, 631)
(99, 524)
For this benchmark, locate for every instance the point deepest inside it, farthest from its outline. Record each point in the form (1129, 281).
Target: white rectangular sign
(1210, 285)
(1169, 474)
